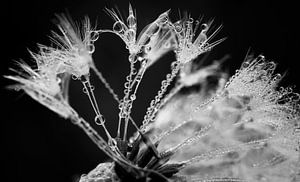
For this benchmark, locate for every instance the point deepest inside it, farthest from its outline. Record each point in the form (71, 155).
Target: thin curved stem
(90, 93)
(106, 84)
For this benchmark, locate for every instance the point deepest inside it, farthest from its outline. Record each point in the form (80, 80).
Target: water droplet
(84, 90)
(128, 78)
(164, 83)
(204, 28)
(118, 27)
(126, 91)
(131, 57)
(271, 65)
(121, 105)
(94, 36)
(99, 120)
(132, 97)
(138, 77)
(91, 48)
(147, 49)
(133, 71)
(178, 28)
(92, 87)
(245, 64)
(169, 76)
(277, 77)
(75, 77)
(130, 34)
(174, 65)
(289, 89)
(112, 142)
(260, 58)
(126, 85)
(131, 21)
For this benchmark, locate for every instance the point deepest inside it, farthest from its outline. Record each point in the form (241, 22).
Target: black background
(40, 146)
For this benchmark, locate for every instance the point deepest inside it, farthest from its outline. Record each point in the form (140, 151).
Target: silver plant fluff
(206, 128)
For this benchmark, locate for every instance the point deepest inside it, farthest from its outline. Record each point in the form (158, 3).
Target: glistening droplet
(99, 120)
(245, 64)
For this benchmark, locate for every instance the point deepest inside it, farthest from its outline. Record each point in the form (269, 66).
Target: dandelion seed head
(203, 130)
(125, 30)
(256, 79)
(188, 48)
(191, 45)
(75, 46)
(251, 109)
(152, 42)
(37, 79)
(44, 88)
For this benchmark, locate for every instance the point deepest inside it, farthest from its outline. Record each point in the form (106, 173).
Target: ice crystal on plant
(204, 129)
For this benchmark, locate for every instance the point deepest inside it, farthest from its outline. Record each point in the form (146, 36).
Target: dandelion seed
(190, 47)
(154, 40)
(75, 46)
(44, 88)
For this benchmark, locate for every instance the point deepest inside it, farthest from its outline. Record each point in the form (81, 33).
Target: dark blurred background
(40, 146)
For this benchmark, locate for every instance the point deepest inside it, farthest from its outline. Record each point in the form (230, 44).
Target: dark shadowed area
(40, 146)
